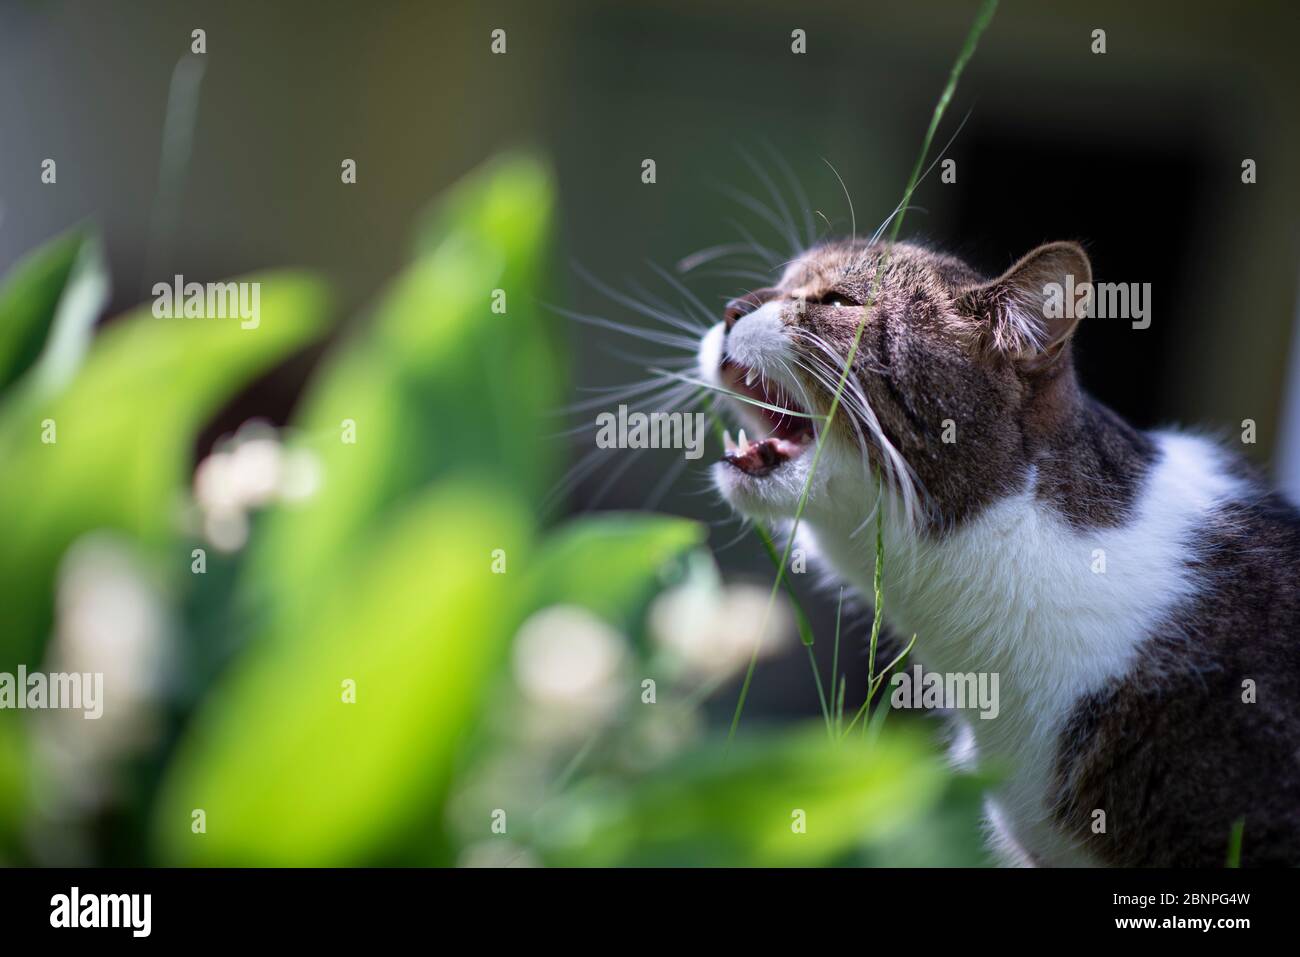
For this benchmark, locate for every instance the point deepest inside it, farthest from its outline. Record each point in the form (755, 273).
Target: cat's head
(955, 379)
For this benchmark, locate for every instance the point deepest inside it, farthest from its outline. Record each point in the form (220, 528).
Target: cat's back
(1204, 731)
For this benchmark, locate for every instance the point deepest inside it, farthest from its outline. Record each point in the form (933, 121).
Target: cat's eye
(836, 298)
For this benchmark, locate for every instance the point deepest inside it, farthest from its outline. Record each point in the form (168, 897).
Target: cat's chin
(772, 497)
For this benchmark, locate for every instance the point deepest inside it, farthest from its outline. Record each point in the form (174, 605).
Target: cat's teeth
(751, 376)
(727, 442)
(743, 442)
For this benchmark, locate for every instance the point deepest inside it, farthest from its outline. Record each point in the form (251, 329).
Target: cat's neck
(1054, 603)
(1090, 465)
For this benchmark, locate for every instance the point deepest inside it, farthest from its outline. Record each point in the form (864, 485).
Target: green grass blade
(804, 625)
(1234, 842)
(835, 659)
(821, 693)
(879, 679)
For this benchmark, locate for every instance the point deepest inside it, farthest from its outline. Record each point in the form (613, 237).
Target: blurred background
(329, 561)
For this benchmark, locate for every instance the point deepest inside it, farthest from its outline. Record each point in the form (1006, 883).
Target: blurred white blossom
(712, 630)
(255, 470)
(248, 471)
(110, 619)
(570, 663)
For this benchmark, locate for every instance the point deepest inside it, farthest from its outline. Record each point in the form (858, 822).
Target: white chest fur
(1056, 612)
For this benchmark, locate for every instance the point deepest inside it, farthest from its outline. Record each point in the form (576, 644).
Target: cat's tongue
(758, 458)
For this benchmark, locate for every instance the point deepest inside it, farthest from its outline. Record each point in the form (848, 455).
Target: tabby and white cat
(1162, 690)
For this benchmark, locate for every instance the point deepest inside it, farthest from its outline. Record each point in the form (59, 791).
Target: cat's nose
(742, 306)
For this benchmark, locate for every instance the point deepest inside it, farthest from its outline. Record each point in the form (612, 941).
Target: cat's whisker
(749, 275)
(902, 204)
(765, 213)
(671, 396)
(649, 335)
(858, 414)
(661, 487)
(641, 361)
(712, 253)
(829, 385)
(676, 397)
(898, 211)
(853, 218)
(616, 394)
(635, 305)
(800, 196)
(574, 476)
(691, 297)
(790, 229)
(739, 397)
(603, 489)
(765, 253)
(860, 411)
(668, 313)
(897, 470)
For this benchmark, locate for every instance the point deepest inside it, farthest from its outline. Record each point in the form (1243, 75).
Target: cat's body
(1138, 594)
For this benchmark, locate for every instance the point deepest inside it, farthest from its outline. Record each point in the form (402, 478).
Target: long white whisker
(921, 179)
(591, 459)
(665, 483)
(897, 470)
(763, 279)
(708, 255)
(800, 196)
(791, 231)
(760, 209)
(617, 394)
(671, 396)
(898, 210)
(649, 335)
(765, 253)
(691, 297)
(739, 397)
(628, 302)
(666, 313)
(644, 361)
(852, 215)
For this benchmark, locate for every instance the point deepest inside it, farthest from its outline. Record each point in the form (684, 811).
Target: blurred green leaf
(952, 834)
(609, 563)
(288, 773)
(435, 381)
(49, 302)
(738, 807)
(124, 431)
(13, 784)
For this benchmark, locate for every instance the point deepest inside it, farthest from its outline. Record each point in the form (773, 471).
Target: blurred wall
(1136, 152)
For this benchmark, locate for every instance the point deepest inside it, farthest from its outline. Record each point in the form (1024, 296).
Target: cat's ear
(1029, 312)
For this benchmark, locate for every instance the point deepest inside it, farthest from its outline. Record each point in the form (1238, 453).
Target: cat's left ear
(1029, 312)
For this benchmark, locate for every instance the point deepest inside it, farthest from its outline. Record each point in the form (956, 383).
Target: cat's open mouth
(788, 436)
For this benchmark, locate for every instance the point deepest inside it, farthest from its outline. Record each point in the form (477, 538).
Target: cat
(1137, 592)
